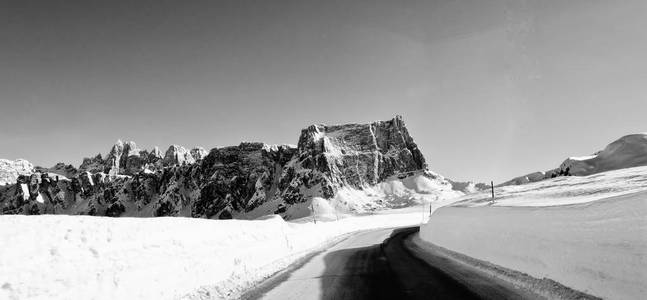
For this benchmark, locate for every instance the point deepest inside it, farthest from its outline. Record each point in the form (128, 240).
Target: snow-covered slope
(588, 233)
(626, 152)
(11, 169)
(81, 257)
(355, 167)
(563, 190)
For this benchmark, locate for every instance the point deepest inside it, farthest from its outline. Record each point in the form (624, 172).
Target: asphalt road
(377, 265)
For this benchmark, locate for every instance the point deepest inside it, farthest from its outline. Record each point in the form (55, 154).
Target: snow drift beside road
(82, 257)
(595, 242)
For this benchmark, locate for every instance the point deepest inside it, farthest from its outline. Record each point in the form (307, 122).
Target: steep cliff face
(240, 178)
(360, 154)
(356, 167)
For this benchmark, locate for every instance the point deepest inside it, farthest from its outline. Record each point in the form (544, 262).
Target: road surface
(377, 265)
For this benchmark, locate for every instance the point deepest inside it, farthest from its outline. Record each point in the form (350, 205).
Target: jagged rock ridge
(126, 159)
(241, 181)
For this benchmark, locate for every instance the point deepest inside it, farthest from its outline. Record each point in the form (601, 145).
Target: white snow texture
(84, 257)
(588, 233)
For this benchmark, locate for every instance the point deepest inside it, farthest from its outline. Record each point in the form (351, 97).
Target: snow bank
(597, 245)
(82, 257)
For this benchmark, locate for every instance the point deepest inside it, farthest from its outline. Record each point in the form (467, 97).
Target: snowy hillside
(588, 233)
(563, 190)
(626, 152)
(82, 257)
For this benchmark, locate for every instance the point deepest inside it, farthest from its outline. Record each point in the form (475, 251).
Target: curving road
(378, 265)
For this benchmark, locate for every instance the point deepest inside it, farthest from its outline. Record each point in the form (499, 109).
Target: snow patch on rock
(11, 169)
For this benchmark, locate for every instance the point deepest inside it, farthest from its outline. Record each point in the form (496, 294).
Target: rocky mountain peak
(376, 150)
(127, 159)
(155, 155)
(178, 155)
(252, 178)
(198, 153)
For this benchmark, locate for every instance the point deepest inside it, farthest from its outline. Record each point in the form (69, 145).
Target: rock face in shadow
(229, 182)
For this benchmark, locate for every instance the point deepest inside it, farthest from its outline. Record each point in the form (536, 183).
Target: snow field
(562, 190)
(598, 247)
(82, 257)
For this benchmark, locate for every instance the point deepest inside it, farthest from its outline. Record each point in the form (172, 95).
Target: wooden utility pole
(423, 215)
(492, 188)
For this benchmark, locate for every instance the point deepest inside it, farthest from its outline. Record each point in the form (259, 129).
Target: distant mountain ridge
(625, 152)
(355, 167)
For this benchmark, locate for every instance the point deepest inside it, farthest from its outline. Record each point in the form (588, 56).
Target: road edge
(260, 287)
(542, 288)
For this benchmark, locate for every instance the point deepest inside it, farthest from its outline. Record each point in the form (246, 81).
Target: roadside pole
(492, 188)
(314, 214)
(423, 215)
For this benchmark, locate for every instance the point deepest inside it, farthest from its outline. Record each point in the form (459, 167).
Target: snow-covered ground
(628, 151)
(83, 257)
(588, 233)
(563, 190)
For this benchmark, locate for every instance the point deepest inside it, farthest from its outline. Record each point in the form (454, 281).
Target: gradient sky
(489, 89)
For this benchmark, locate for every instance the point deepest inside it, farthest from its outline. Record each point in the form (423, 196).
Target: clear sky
(489, 89)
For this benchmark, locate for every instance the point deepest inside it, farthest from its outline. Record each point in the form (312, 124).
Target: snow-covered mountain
(11, 169)
(626, 152)
(349, 168)
(126, 159)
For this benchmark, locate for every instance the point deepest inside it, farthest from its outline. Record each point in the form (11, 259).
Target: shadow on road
(365, 275)
(386, 271)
